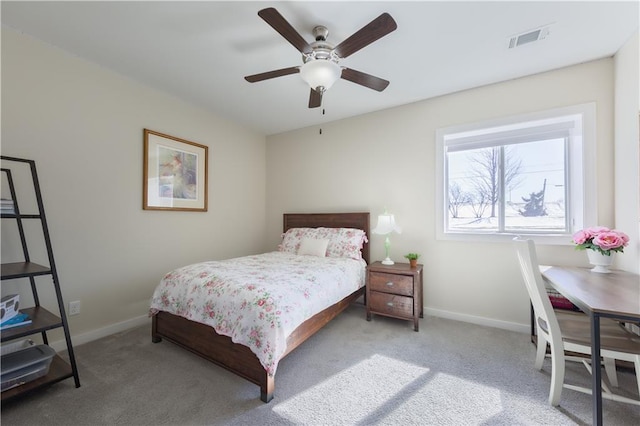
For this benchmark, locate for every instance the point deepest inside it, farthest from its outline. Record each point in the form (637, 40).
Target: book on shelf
(7, 206)
(17, 321)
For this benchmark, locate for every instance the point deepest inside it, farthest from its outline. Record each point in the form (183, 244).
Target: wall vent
(529, 37)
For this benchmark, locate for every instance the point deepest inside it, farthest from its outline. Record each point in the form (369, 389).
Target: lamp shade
(320, 73)
(386, 225)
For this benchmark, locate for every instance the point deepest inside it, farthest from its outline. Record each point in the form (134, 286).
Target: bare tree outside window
(486, 166)
(479, 204)
(457, 199)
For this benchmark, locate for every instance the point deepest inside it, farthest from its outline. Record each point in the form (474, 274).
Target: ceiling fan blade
(277, 21)
(363, 79)
(378, 28)
(315, 99)
(272, 74)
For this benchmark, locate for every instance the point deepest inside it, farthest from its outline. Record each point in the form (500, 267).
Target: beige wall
(83, 126)
(627, 149)
(388, 159)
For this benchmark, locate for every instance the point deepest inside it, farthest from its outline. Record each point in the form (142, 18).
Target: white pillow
(313, 247)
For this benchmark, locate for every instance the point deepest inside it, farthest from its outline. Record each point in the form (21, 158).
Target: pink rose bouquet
(601, 239)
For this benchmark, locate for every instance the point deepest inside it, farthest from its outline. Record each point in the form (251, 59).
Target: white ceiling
(200, 51)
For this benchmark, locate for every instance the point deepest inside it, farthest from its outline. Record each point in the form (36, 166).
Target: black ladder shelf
(42, 319)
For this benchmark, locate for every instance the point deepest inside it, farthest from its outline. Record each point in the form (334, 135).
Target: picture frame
(175, 173)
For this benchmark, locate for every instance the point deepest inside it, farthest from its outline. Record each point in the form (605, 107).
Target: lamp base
(388, 261)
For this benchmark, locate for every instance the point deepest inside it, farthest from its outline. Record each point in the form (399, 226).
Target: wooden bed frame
(204, 341)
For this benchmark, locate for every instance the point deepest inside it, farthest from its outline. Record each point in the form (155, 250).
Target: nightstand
(395, 291)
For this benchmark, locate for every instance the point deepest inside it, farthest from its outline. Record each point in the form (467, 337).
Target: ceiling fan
(320, 68)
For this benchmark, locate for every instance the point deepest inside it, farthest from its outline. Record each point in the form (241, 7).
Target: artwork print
(178, 174)
(175, 173)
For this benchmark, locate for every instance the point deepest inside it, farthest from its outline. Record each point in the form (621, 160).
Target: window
(522, 175)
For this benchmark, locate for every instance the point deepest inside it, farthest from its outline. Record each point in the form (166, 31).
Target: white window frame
(582, 180)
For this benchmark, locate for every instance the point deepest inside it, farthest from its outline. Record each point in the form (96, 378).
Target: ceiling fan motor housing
(321, 49)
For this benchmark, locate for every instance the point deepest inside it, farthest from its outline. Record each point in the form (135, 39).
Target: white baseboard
(92, 335)
(80, 339)
(489, 322)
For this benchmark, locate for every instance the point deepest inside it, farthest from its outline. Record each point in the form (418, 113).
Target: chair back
(546, 321)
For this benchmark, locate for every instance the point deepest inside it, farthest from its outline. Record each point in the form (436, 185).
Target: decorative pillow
(314, 247)
(344, 242)
(292, 239)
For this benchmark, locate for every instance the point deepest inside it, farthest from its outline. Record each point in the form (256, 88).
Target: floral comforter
(258, 300)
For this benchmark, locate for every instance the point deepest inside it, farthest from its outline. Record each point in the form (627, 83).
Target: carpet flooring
(352, 372)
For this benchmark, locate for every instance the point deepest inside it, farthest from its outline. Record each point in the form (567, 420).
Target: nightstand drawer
(391, 283)
(391, 304)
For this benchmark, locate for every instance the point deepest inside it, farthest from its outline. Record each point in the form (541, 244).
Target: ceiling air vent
(528, 37)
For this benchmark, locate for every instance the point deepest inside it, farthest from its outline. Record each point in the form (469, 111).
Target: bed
(203, 340)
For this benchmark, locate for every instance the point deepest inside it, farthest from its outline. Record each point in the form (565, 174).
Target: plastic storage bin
(25, 365)
(19, 345)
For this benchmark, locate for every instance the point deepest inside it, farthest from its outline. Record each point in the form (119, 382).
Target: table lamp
(386, 225)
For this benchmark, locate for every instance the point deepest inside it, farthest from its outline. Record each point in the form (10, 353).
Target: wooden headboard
(330, 220)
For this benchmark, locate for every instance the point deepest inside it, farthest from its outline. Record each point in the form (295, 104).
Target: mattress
(258, 301)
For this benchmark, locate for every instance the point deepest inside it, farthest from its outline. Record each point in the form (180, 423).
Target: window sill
(544, 239)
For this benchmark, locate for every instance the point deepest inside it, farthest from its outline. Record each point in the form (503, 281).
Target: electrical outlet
(74, 307)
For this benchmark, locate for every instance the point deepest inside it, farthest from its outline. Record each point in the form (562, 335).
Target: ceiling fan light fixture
(320, 73)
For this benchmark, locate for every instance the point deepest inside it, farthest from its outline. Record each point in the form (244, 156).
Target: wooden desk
(615, 295)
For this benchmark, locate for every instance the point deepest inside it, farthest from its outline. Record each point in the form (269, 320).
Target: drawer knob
(389, 284)
(390, 304)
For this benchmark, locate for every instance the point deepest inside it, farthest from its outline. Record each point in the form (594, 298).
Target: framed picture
(175, 173)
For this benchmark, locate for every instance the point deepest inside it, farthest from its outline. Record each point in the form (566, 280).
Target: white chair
(570, 331)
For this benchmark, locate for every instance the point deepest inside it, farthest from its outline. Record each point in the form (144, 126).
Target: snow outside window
(521, 175)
